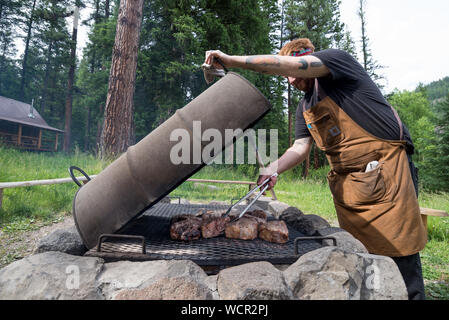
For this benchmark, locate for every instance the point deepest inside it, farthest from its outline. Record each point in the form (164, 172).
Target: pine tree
(118, 129)
(441, 162)
(369, 63)
(9, 11)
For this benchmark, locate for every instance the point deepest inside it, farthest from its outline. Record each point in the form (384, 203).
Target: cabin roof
(23, 113)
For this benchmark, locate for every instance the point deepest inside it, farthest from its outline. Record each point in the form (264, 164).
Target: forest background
(174, 36)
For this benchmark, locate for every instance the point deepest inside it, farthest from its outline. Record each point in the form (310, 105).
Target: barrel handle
(121, 236)
(334, 240)
(74, 178)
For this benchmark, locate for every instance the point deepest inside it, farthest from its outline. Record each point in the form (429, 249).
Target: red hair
(296, 45)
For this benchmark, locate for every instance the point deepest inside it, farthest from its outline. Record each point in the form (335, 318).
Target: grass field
(29, 208)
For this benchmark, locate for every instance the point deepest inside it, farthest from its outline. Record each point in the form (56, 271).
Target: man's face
(302, 84)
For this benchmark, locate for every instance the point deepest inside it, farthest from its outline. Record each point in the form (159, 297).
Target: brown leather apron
(379, 207)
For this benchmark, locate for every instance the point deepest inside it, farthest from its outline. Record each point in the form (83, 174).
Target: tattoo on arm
(316, 64)
(264, 61)
(304, 64)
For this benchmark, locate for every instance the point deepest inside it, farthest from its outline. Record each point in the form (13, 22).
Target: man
(372, 178)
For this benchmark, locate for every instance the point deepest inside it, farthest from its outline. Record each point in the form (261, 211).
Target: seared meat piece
(211, 214)
(181, 217)
(244, 229)
(186, 229)
(258, 213)
(274, 231)
(213, 226)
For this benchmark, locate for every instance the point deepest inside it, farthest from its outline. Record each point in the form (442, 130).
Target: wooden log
(39, 142)
(434, 212)
(56, 143)
(19, 136)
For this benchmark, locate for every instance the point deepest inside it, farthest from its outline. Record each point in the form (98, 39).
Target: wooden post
(19, 135)
(56, 142)
(1, 197)
(39, 143)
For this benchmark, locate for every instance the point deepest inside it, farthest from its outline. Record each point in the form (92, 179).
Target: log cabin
(23, 127)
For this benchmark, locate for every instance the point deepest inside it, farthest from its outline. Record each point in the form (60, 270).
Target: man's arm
(296, 67)
(290, 159)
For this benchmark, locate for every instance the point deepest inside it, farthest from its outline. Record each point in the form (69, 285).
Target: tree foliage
(35, 41)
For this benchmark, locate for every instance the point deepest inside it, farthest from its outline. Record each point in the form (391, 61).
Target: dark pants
(410, 268)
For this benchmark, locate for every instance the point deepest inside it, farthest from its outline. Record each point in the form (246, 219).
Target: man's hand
(271, 183)
(213, 55)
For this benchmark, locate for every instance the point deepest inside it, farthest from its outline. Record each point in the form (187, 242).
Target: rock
(345, 240)
(165, 200)
(309, 224)
(290, 215)
(331, 273)
(179, 201)
(205, 186)
(211, 282)
(50, 276)
(66, 240)
(219, 203)
(252, 281)
(126, 275)
(168, 289)
(262, 202)
(276, 208)
(328, 273)
(383, 280)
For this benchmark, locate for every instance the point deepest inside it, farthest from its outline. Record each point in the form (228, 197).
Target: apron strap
(318, 94)
(401, 129)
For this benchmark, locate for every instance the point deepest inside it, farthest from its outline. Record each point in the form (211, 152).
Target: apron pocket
(325, 131)
(359, 188)
(354, 163)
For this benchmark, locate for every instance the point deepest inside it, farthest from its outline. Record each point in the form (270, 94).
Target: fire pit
(147, 238)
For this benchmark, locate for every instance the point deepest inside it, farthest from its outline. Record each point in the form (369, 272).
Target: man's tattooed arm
(260, 63)
(309, 66)
(305, 65)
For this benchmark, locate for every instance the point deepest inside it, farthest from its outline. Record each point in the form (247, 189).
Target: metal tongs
(263, 186)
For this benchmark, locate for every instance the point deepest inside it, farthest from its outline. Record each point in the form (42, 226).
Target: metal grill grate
(154, 225)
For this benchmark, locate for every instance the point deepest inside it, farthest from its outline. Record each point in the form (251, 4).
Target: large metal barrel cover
(143, 175)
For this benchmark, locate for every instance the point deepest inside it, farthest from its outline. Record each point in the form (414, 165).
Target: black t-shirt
(350, 86)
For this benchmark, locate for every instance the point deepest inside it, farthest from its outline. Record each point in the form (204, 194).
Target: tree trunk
(106, 9)
(306, 166)
(25, 53)
(45, 83)
(316, 159)
(364, 37)
(290, 116)
(69, 98)
(87, 132)
(117, 134)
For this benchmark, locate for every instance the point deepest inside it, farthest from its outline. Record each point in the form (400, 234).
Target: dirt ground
(21, 244)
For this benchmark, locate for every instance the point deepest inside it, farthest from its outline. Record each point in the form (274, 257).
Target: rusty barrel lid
(145, 174)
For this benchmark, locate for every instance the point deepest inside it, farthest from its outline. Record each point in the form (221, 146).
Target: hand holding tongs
(263, 186)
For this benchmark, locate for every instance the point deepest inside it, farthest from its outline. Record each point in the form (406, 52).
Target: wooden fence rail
(6, 185)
